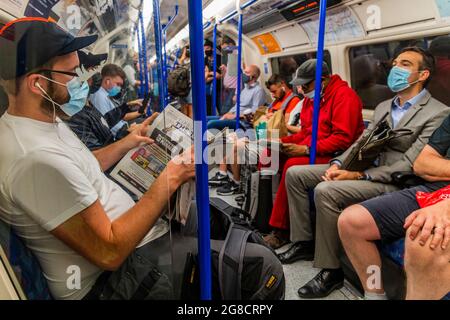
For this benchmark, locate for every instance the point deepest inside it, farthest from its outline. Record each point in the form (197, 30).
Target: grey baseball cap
(306, 73)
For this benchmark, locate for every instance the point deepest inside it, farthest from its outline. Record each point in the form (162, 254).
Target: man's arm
(344, 123)
(110, 155)
(108, 243)
(259, 99)
(131, 116)
(432, 166)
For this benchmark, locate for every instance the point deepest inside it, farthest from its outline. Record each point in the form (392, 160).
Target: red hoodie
(340, 120)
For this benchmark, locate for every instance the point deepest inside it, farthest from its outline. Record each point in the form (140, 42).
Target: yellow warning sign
(267, 43)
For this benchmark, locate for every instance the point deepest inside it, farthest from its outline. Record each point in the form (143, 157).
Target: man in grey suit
(334, 189)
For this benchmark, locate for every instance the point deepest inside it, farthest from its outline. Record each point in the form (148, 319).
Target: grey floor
(297, 274)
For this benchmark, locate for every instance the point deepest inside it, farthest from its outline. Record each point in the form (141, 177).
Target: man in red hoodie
(340, 124)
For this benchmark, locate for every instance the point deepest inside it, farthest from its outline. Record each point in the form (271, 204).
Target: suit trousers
(330, 199)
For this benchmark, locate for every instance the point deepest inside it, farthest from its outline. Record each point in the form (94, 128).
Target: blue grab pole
(239, 73)
(235, 12)
(164, 68)
(141, 70)
(318, 88)
(159, 57)
(144, 52)
(199, 104)
(214, 89)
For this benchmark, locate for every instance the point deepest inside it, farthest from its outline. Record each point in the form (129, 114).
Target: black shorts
(391, 210)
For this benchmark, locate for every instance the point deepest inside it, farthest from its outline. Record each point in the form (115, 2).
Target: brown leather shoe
(276, 239)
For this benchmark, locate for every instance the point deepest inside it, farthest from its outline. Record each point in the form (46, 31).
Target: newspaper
(173, 133)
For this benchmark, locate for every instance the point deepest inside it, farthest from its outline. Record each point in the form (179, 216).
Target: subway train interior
(224, 150)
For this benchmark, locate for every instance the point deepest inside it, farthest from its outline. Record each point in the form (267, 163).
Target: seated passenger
(428, 269)
(113, 78)
(340, 124)
(440, 85)
(283, 98)
(390, 217)
(412, 109)
(89, 124)
(52, 189)
(252, 97)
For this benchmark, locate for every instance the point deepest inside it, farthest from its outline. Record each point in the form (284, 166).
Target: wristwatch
(307, 150)
(364, 177)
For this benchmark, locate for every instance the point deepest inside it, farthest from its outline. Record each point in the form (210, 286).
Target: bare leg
(357, 230)
(238, 158)
(428, 271)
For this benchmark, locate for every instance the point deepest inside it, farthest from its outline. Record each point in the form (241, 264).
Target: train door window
(286, 66)
(371, 64)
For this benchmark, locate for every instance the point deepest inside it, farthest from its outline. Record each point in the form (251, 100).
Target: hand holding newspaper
(172, 133)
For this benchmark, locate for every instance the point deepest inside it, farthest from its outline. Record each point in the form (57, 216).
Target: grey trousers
(330, 198)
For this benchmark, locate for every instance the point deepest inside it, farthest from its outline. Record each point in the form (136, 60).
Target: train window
(370, 66)
(286, 66)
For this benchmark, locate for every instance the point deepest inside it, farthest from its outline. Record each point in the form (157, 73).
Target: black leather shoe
(323, 284)
(300, 251)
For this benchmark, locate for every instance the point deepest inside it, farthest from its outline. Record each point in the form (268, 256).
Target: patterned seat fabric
(25, 265)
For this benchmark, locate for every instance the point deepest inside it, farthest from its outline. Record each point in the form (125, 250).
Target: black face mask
(208, 53)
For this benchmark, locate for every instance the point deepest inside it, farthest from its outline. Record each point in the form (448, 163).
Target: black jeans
(140, 277)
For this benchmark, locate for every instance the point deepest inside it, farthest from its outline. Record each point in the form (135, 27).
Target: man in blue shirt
(113, 78)
(252, 97)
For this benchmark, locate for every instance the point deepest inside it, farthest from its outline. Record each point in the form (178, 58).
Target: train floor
(299, 273)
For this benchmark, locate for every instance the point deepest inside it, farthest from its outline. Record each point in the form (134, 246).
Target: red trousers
(280, 212)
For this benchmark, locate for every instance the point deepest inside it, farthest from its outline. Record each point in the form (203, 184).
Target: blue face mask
(398, 79)
(78, 93)
(246, 79)
(114, 91)
(78, 96)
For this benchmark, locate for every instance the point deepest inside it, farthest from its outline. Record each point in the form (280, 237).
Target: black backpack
(179, 82)
(243, 266)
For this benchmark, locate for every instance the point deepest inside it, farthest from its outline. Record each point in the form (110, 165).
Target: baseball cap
(307, 72)
(28, 43)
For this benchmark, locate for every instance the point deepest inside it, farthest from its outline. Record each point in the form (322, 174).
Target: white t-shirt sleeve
(50, 187)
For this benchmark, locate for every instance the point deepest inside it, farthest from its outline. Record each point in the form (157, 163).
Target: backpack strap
(231, 262)
(287, 101)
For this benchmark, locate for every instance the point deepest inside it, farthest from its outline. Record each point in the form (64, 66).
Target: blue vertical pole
(141, 70)
(159, 58)
(239, 73)
(144, 51)
(318, 88)
(214, 89)
(164, 67)
(199, 103)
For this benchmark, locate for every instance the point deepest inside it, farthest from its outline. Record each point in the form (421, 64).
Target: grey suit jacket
(422, 119)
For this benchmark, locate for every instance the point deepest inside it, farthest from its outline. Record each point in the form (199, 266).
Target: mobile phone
(144, 103)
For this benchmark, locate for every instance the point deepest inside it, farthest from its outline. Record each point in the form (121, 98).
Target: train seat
(25, 265)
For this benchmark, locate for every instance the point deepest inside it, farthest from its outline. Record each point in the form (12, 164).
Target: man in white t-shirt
(52, 188)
